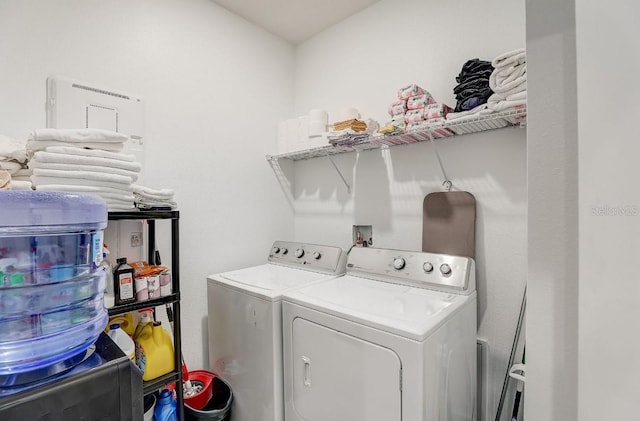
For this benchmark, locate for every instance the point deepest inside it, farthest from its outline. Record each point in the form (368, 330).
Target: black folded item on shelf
(473, 84)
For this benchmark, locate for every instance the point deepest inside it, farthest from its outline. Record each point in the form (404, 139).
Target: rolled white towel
(90, 168)
(501, 77)
(510, 58)
(78, 135)
(63, 158)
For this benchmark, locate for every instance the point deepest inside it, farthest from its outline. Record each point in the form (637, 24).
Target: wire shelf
(477, 123)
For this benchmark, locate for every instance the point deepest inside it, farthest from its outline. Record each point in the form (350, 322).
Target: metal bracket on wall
(284, 182)
(344, 180)
(446, 184)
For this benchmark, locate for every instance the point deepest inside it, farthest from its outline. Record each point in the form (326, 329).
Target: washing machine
(245, 323)
(394, 339)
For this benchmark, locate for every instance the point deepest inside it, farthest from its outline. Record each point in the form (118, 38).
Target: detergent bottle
(154, 350)
(165, 409)
(124, 342)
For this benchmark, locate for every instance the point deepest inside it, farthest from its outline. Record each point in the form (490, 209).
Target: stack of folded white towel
(508, 81)
(13, 158)
(148, 198)
(57, 166)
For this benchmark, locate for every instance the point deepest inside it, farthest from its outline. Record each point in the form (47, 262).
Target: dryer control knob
(284, 250)
(445, 269)
(398, 263)
(299, 253)
(276, 250)
(428, 267)
(317, 255)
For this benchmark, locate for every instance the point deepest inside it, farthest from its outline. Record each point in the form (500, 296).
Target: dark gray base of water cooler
(110, 391)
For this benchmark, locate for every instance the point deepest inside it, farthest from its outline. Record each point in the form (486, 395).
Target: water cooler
(55, 361)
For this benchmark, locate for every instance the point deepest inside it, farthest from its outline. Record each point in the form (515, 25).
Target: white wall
(214, 87)
(609, 210)
(584, 207)
(552, 293)
(361, 62)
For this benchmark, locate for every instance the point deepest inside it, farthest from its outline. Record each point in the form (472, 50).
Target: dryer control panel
(313, 257)
(440, 272)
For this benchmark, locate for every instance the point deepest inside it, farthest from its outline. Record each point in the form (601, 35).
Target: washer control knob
(284, 250)
(317, 255)
(299, 253)
(398, 263)
(276, 250)
(428, 267)
(445, 269)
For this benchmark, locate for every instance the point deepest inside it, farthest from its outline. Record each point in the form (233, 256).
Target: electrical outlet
(136, 239)
(363, 235)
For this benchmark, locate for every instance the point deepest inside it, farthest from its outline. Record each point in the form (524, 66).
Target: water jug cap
(166, 393)
(44, 208)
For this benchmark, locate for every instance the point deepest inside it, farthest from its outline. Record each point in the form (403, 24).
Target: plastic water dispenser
(51, 281)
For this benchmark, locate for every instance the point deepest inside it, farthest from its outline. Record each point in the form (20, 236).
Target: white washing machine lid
(267, 281)
(402, 310)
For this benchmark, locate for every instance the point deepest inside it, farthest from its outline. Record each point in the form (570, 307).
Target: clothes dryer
(394, 340)
(245, 323)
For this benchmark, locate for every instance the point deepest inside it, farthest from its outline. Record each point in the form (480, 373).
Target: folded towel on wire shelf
(148, 191)
(510, 58)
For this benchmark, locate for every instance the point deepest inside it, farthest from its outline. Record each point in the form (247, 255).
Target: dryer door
(341, 377)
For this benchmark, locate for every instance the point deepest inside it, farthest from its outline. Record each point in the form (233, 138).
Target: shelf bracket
(344, 180)
(446, 184)
(284, 182)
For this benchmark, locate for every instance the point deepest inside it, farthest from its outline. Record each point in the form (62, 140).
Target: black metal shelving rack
(174, 299)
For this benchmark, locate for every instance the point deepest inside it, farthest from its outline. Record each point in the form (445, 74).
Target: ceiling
(295, 20)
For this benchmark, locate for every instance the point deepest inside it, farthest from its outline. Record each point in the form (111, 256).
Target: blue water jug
(166, 407)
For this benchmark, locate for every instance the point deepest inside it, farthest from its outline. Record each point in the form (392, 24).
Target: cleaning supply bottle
(109, 294)
(166, 408)
(154, 350)
(124, 342)
(123, 275)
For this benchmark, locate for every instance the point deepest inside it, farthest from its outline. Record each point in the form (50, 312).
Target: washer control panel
(314, 257)
(425, 270)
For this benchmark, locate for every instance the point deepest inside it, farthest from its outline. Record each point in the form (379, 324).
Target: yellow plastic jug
(154, 350)
(125, 321)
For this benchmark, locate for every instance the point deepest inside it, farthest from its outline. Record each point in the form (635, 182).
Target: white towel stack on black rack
(59, 167)
(148, 198)
(508, 81)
